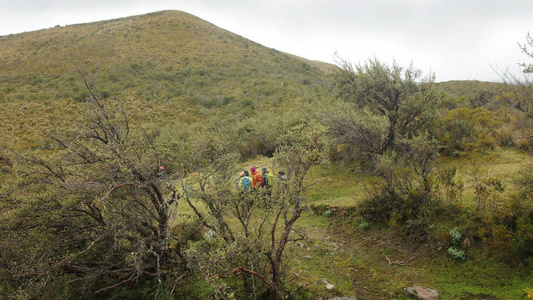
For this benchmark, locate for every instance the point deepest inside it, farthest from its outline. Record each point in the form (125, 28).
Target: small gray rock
(420, 292)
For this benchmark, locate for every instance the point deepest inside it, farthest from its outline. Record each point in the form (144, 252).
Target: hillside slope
(167, 66)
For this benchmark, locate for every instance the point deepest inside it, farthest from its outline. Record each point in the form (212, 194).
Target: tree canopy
(400, 94)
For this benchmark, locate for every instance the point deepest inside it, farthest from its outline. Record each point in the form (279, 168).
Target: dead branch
(399, 263)
(130, 279)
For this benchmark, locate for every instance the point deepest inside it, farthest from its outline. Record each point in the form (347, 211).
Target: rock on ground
(420, 292)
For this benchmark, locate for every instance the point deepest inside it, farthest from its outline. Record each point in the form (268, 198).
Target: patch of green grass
(363, 266)
(335, 186)
(479, 275)
(364, 263)
(504, 164)
(377, 262)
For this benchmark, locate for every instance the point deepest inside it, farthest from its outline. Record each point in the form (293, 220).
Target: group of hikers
(246, 182)
(256, 180)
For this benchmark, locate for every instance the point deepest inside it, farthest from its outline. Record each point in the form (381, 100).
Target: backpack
(266, 181)
(246, 182)
(258, 180)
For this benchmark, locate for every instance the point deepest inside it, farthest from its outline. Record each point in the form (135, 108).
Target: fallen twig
(399, 263)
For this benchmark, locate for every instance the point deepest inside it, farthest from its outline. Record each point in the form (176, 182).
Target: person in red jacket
(256, 178)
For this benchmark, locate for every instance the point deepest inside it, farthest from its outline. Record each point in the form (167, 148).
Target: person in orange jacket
(256, 178)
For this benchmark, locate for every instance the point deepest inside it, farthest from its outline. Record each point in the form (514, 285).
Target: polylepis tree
(401, 95)
(252, 230)
(94, 213)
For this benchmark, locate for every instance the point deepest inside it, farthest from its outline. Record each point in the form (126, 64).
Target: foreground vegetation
(393, 180)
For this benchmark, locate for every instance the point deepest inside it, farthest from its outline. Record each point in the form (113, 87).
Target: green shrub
(364, 224)
(81, 96)
(409, 212)
(455, 236)
(508, 234)
(247, 102)
(227, 100)
(456, 253)
(523, 239)
(467, 129)
(505, 136)
(508, 237)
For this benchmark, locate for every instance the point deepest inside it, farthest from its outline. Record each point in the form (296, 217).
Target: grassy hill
(166, 67)
(467, 87)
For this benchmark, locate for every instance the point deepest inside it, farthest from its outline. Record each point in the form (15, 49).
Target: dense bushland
(99, 197)
(86, 198)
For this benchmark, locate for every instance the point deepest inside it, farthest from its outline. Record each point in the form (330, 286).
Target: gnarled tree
(401, 95)
(93, 215)
(251, 231)
(518, 92)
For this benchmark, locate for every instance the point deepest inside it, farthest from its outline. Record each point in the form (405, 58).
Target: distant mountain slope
(167, 66)
(468, 87)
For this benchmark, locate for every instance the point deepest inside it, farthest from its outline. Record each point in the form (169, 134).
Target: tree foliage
(518, 92)
(527, 50)
(99, 212)
(253, 248)
(399, 94)
(358, 135)
(385, 120)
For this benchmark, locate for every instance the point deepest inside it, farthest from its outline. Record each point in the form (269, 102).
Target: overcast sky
(455, 39)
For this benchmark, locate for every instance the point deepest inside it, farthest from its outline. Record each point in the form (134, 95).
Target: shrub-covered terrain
(123, 147)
